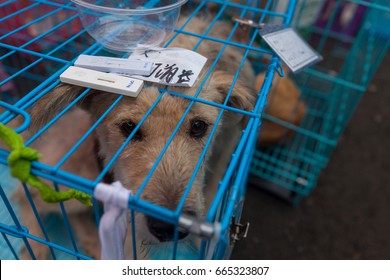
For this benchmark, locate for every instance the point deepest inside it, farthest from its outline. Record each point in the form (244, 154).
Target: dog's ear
(241, 97)
(56, 100)
(52, 103)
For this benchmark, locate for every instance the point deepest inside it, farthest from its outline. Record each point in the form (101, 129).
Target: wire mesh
(351, 37)
(39, 40)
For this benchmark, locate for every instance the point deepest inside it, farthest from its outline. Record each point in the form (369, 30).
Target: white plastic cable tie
(113, 224)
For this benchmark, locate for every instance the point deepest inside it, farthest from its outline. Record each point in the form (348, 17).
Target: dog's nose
(163, 231)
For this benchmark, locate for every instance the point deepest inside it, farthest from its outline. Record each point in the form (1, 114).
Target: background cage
(353, 39)
(34, 52)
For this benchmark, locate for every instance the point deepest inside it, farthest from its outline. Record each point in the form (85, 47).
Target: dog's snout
(163, 231)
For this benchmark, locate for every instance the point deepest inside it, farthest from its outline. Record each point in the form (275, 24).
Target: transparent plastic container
(127, 25)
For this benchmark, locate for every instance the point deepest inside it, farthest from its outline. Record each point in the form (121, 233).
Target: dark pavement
(347, 216)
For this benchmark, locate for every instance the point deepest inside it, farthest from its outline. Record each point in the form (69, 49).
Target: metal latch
(238, 231)
(248, 22)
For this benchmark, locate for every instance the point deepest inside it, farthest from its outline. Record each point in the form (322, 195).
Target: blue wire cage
(353, 38)
(39, 39)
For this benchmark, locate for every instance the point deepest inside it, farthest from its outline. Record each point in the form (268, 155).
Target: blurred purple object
(347, 20)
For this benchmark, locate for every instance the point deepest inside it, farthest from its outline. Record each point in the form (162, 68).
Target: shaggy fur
(168, 182)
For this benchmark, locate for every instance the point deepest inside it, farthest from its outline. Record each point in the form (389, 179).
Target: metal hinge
(238, 231)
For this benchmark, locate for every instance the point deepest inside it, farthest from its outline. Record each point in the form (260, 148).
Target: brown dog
(170, 179)
(283, 103)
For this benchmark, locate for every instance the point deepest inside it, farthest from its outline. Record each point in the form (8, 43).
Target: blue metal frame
(331, 91)
(231, 189)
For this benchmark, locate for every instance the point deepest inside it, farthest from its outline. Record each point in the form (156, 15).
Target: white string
(113, 224)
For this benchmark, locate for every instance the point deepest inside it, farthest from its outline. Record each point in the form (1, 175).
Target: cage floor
(9, 185)
(53, 222)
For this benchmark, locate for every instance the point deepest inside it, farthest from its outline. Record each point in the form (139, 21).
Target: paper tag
(172, 66)
(290, 47)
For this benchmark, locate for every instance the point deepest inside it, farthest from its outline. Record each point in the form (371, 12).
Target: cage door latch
(238, 231)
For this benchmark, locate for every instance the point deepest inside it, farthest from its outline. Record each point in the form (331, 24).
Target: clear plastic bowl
(127, 25)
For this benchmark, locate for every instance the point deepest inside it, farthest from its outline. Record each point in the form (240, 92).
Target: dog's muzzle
(163, 231)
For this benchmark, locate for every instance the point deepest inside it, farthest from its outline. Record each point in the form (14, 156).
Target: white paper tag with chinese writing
(172, 66)
(290, 47)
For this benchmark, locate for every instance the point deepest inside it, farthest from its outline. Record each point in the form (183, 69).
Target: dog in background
(283, 103)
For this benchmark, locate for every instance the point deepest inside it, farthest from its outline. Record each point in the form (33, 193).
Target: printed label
(291, 48)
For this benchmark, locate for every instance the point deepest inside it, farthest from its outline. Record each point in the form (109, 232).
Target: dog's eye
(198, 128)
(128, 127)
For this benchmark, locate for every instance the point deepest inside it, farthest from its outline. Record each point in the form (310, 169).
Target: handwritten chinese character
(170, 72)
(184, 76)
(147, 53)
(157, 66)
